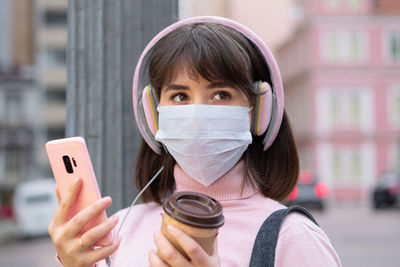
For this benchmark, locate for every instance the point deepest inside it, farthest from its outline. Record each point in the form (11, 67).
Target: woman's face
(185, 90)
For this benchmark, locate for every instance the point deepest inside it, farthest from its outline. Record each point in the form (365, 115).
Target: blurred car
(34, 203)
(386, 192)
(309, 192)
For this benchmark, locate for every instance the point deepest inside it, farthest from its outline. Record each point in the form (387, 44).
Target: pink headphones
(266, 115)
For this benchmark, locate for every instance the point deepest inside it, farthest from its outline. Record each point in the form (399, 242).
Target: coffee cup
(196, 214)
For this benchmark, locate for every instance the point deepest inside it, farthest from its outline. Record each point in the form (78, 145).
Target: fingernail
(115, 218)
(76, 181)
(105, 200)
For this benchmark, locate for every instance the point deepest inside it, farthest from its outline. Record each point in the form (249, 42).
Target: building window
(393, 105)
(53, 18)
(394, 156)
(355, 108)
(335, 108)
(53, 57)
(13, 109)
(355, 165)
(337, 165)
(332, 4)
(345, 108)
(13, 166)
(393, 46)
(330, 47)
(355, 46)
(56, 95)
(347, 163)
(336, 4)
(344, 47)
(354, 4)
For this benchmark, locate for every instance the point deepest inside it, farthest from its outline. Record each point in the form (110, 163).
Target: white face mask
(205, 140)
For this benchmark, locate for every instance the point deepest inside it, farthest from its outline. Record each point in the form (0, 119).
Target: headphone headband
(276, 86)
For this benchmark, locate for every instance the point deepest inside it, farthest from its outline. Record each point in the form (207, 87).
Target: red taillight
(321, 190)
(294, 194)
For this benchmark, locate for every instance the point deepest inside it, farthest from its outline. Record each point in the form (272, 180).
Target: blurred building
(20, 97)
(51, 46)
(341, 71)
(272, 20)
(32, 87)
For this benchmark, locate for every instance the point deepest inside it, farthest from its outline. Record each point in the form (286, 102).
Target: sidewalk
(8, 230)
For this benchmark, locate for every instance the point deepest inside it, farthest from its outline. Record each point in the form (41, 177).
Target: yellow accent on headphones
(259, 108)
(152, 108)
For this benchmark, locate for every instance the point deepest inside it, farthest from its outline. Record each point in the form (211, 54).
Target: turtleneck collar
(230, 186)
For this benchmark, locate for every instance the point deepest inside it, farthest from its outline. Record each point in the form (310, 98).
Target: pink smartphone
(69, 158)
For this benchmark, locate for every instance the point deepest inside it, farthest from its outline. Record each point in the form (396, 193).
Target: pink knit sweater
(300, 243)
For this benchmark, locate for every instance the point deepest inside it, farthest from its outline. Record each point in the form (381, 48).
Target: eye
(179, 97)
(222, 96)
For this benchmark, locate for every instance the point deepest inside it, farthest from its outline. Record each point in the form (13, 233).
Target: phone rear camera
(67, 164)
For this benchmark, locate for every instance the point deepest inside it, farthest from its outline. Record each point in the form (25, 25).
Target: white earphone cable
(108, 260)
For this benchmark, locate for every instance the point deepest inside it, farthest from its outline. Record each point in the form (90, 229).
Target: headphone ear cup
(261, 115)
(149, 103)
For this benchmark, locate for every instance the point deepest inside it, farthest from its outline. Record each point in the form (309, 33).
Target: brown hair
(218, 53)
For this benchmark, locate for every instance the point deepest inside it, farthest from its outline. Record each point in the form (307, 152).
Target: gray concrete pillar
(105, 39)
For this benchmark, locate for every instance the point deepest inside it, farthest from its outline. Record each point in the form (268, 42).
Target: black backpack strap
(263, 254)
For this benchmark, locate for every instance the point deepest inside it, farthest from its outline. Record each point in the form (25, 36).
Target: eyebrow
(212, 85)
(176, 87)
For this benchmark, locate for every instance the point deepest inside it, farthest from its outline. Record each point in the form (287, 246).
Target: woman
(213, 117)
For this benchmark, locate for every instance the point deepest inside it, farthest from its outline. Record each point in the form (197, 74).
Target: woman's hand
(168, 255)
(74, 250)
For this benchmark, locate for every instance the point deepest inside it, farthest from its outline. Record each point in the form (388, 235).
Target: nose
(200, 98)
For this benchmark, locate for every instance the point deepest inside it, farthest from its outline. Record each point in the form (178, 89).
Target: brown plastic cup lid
(195, 209)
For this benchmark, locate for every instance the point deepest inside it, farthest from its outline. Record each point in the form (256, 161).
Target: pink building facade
(341, 71)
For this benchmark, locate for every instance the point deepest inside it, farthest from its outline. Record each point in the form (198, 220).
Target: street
(360, 235)
(37, 252)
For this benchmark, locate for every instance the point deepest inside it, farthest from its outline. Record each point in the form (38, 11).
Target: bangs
(213, 51)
